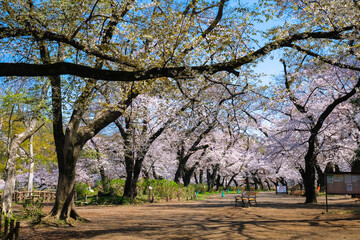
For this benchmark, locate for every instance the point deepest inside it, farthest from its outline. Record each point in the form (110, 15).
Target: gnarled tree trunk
(64, 207)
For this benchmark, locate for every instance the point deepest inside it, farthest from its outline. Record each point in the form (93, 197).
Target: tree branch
(63, 68)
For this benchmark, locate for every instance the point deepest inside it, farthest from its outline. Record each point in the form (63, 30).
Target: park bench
(248, 197)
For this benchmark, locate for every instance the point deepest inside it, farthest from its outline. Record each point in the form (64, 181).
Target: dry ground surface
(276, 217)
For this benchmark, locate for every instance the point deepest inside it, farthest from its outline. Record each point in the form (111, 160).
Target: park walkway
(276, 217)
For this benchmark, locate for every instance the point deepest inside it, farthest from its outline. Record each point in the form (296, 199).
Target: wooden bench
(248, 197)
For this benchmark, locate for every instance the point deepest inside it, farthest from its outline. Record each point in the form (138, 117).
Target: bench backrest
(250, 193)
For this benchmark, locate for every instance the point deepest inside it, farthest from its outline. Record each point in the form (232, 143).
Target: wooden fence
(34, 195)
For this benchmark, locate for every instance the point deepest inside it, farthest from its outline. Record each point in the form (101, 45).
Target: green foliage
(82, 189)
(163, 189)
(200, 188)
(117, 186)
(33, 210)
(112, 187)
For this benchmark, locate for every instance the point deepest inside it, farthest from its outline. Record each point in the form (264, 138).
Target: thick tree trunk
(188, 173)
(211, 177)
(129, 167)
(104, 179)
(218, 182)
(64, 207)
(181, 163)
(132, 178)
(247, 182)
(309, 178)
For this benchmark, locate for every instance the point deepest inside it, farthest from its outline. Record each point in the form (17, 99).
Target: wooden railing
(34, 195)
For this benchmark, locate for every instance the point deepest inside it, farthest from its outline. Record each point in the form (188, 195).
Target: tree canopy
(101, 57)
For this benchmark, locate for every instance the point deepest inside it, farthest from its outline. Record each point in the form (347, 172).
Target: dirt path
(276, 217)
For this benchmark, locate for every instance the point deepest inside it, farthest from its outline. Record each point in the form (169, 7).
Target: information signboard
(343, 183)
(281, 189)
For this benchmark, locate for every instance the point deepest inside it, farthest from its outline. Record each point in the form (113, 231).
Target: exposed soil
(276, 217)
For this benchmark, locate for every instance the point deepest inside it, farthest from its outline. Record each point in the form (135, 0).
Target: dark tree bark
(268, 184)
(63, 68)
(320, 178)
(184, 155)
(232, 179)
(196, 179)
(188, 172)
(201, 176)
(329, 168)
(211, 176)
(134, 157)
(247, 181)
(337, 168)
(218, 182)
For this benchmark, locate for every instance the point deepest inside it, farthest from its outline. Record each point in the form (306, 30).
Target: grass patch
(355, 212)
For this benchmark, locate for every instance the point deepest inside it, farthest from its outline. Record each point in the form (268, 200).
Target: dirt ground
(276, 217)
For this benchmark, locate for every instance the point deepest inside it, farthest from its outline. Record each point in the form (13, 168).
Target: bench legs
(249, 202)
(254, 200)
(245, 201)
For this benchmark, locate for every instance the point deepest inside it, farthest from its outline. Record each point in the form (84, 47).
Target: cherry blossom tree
(309, 126)
(159, 42)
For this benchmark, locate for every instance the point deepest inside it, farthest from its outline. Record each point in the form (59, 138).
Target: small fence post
(12, 223)
(6, 226)
(17, 231)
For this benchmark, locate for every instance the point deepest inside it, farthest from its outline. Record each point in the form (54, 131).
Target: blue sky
(270, 67)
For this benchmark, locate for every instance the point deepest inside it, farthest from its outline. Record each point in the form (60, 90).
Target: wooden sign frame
(342, 183)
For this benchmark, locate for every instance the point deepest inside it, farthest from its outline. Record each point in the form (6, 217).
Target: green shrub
(112, 187)
(165, 188)
(160, 188)
(117, 186)
(82, 189)
(201, 187)
(33, 210)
